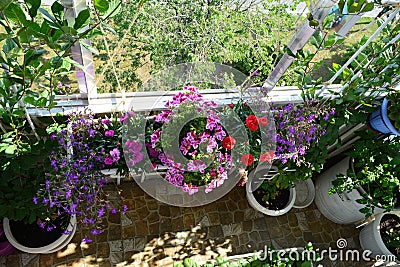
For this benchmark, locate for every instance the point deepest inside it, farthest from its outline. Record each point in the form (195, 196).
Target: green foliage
(268, 258)
(394, 108)
(376, 170)
(21, 177)
(36, 56)
(180, 31)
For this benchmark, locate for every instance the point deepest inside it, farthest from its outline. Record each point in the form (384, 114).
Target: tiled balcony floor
(154, 234)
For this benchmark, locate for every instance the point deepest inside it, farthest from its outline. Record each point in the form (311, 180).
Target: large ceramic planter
(5, 246)
(257, 206)
(339, 208)
(58, 244)
(380, 121)
(371, 239)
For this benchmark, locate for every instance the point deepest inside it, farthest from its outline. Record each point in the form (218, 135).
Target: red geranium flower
(247, 159)
(268, 157)
(252, 122)
(231, 105)
(263, 121)
(228, 142)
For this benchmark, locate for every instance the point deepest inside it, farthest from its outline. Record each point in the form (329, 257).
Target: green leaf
(4, 4)
(313, 23)
(330, 42)
(368, 7)
(335, 66)
(4, 36)
(74, 63)
(29, 100)
(289, 52)
(33, 6)
(114, 8)
(11, 149)
(89, 47)
(58, 11)
(306, 264)
(354, 8)
(41, 102)
(16, 14)
(50, 19)
(101, 5)
(82, 19)
(108, 28)
(69, 30)
(313, 41)
(341, 5)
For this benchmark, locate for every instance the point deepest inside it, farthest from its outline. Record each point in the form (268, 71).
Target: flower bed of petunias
(75, 185)
(194, 123)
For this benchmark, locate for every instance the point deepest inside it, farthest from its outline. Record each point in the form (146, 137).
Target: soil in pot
(33, 236)
(280, 202)
(390, 233)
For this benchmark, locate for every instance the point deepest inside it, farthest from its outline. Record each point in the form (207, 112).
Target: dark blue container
(380, 121)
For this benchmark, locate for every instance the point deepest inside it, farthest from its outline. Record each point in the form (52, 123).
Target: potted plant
(23, 172)
(75, 183)
(365, 183)
(386, 119)
(187, 139)
(106, 136)
(298, 128)
(382, 236)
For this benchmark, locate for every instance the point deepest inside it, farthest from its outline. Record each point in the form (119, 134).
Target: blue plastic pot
(380, 121)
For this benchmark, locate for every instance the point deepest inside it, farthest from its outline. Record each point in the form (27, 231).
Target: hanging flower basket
(192, 124)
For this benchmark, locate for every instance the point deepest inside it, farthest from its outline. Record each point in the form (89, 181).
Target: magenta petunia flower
(109, 133)
(115, 154)
(133, 146)
(108, 161)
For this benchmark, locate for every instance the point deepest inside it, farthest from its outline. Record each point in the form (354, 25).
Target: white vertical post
(319, 12)
(86, 77)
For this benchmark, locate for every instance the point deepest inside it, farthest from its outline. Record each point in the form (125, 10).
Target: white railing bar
(355, 55)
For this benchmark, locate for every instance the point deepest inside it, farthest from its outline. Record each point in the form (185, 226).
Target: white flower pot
(371, 239)
(305, 194)
(339, 208)
(257, 206)
(53, 247)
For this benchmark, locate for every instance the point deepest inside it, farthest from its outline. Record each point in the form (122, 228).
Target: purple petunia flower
(190, 189)
(197, 165)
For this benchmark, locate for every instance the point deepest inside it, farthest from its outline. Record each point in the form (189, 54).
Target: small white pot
(305, 194)
(53, 247)
(339, 208)
(257, 206)
(371, 239)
